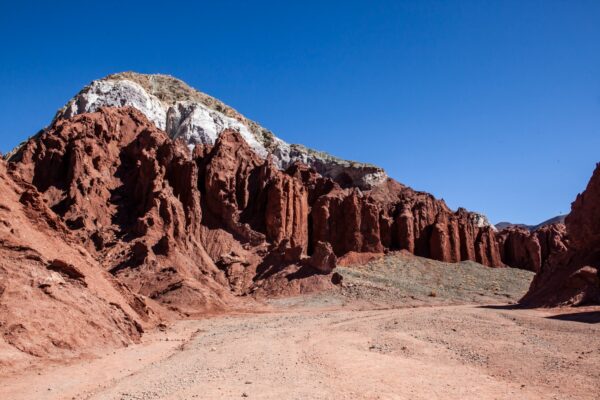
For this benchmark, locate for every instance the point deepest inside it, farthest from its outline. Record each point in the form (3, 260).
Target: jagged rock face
(583, 223)
(394, 217)
(425, 226)
(199, 119)
(522, 248)
(348, 221)
(150, 210)
(55, 297)
(251, 197)
(94, 167)
(286, 215)
(339, 211)
(130, 194)
(571, 277)
(192, 230)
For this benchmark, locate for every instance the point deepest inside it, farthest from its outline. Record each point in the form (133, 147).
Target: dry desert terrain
(396, 330)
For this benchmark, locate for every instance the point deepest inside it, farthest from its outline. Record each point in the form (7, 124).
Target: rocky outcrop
(529, 250)
(570, 277)
(198, 119)
(191, 232)
(149, 209)
(348, 220)
(119, 181)
(255, 201)
(249, 196)
(130, 194)
(286, 214)
(323, 258)
(583, 222)
(394, 217)
(55, 297)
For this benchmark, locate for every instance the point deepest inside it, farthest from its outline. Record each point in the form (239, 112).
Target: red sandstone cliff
(55, 297)
(524, 249)
(113, 176)
(130, 195)
(571, 277)
(106, 207)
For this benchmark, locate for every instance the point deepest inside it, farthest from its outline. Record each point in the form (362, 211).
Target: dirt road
(437, 352)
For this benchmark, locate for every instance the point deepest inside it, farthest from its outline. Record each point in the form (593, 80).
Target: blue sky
(491, 105)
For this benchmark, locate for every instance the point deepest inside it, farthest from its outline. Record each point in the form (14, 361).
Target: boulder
(323, 258)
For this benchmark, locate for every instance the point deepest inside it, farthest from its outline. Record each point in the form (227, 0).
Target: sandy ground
(436, 352)
(352, 344)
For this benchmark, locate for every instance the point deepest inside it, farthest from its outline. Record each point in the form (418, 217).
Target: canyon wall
(118, 181)
(571, 277)
(530, 250)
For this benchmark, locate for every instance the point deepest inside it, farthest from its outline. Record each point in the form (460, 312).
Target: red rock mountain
(113, 175)
(108, 225)
(105, 209)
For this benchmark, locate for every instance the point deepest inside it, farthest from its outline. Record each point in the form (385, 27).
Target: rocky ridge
(171, 233)
(185, 113)
(229, 186)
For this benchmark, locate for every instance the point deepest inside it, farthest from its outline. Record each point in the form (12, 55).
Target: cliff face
(130, 195)
(522, 248)
(55, 297)
(583, 223)
(135, 197)
(254, 200)
(571, 277)
(395, 217)
(343, 211)
(111, 210)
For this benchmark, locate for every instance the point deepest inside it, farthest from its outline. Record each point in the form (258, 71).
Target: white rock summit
(197, 118)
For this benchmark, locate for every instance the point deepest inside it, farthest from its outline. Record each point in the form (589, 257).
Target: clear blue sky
(491, 105)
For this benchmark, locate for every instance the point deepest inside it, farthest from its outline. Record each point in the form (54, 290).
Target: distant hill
(554, 220)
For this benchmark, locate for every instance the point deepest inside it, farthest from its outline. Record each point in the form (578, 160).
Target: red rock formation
(393, 217)
(193, 230)
(323, 258)
(583, 223)
(347, 220)
(256, 202)
(147, 208)
(92, 168)
(570, 276)
(520, 248)
(249, 196)
(404, 219)
(55, 297)
(530, 250)
(130, 194)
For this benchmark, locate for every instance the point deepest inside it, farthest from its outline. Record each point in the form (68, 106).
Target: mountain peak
(197, 118)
